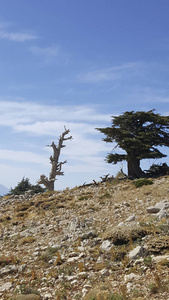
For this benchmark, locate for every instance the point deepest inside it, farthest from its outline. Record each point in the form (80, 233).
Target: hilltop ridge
(105, 241)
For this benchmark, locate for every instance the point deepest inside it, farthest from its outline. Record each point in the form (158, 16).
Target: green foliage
(83, 198)
(148, 261)
(142, 181)
(138, 134)
(24, 185)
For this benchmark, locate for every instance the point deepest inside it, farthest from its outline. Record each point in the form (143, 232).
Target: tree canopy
(25, 185)
(139, 134)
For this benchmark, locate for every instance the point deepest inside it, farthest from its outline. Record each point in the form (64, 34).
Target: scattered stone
(136, 252)
(131, 218)
(72, 259)
(160, 258)
(163, 213)
(106, 245)
(162, 205)
(130, 277)
(6, 286)
(153, 209)
(77, 249)
(121, 224)
(48, 296)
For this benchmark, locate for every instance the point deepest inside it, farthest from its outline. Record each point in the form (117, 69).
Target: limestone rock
(162, 205)
(106, 245)
(136, 252)
(130, 277)
(153, 209)
(163, 213)
(161, 258)
(6, 286)
(131, 218)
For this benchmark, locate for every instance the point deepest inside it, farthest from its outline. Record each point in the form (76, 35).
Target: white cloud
(16, 36)
(34, 123)
(112, 73)
(46, 119)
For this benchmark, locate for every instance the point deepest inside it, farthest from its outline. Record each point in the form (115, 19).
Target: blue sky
(75, 64)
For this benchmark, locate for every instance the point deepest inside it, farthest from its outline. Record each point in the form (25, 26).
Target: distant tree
(54, 160)
(25, 185)
(138, 134)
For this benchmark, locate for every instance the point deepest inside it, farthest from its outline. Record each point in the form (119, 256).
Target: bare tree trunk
(54, 160)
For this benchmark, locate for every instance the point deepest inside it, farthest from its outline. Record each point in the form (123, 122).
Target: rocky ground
(107, 241)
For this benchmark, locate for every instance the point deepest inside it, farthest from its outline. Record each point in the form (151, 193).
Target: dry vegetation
(52, 244)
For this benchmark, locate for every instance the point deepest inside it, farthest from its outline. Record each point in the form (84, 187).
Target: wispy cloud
(52, 51)
(16, 36)
(108, 74)
(44, 123)
(44, 119)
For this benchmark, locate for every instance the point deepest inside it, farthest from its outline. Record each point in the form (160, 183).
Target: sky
(75, 64)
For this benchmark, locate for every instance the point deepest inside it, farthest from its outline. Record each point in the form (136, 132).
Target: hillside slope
(105, 241)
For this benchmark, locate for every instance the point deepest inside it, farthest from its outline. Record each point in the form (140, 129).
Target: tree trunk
(54, 160)
(134, 170)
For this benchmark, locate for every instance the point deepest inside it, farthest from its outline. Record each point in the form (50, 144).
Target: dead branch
(56, 169)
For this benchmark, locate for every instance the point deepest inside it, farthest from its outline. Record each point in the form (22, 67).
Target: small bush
(23, 186)
(142, 181)
(83, 198)
(148, 261)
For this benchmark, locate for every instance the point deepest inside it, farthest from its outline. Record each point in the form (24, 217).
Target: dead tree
(56, 169)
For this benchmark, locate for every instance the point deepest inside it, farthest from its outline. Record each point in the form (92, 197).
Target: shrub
(142, 181)
(23, 186)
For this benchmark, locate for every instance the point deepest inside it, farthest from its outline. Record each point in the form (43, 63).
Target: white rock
(121, 224)
(153, 209)
(130, 277)
(163, 213)
(136, 252)
(160, 258)
(106, 245)
(70, 278)
(72, 259)
(162, 205)
(130, 219)
(48, 296)
(6, 286)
